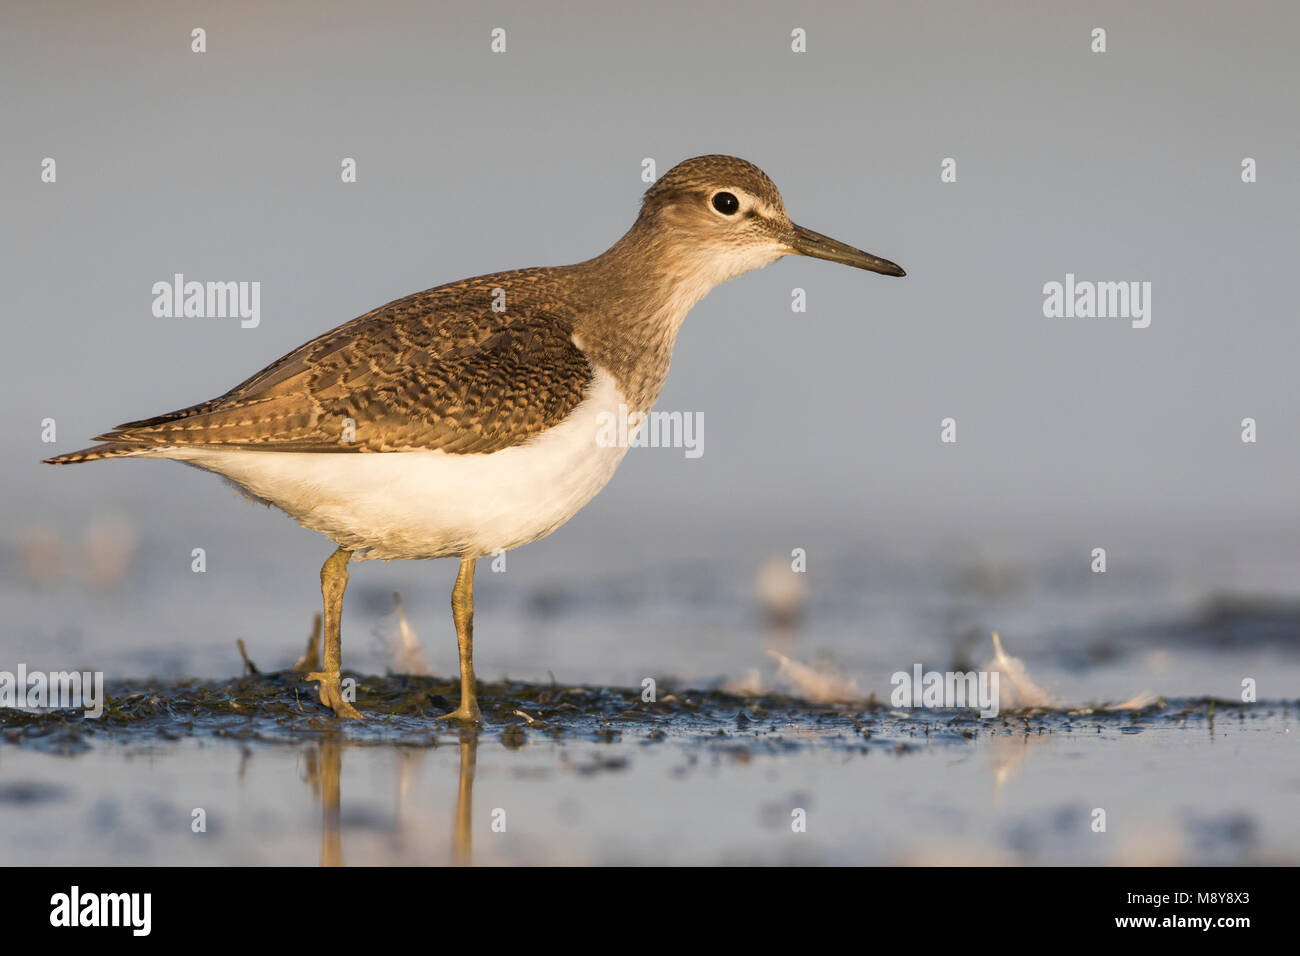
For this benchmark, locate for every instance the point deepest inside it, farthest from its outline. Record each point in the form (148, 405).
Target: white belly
(428, 504)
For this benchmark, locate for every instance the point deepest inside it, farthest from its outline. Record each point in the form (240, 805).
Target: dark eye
(726, 203)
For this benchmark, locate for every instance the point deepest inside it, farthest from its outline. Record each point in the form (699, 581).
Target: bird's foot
(465, 713)
(331, 695)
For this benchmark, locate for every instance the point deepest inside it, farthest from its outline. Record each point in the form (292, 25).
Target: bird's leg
(333, 582)
(462, 612)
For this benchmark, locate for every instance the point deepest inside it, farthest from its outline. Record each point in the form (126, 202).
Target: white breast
(428, 504)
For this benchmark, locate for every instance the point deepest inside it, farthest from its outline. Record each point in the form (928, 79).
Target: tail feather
(96, 452)
(118, 444)
(130, 438)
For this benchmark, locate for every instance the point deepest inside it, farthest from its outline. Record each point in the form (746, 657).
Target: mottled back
(435, 370)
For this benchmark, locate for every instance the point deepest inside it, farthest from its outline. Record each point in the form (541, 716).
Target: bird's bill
(805, 242)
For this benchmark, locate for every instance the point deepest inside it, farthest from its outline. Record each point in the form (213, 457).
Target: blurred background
(821, 428)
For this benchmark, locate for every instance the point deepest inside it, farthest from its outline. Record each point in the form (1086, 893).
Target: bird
(470, 419)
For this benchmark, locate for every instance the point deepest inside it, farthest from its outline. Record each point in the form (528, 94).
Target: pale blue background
(821, 428)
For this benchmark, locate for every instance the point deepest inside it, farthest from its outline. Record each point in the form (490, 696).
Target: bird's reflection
(462, 847)
(324, 768)
(324, 773)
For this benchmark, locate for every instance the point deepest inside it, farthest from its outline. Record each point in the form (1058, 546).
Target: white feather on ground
(1015, 688)
(818, 686)
(1024, 693)
(403, 644)
(1138, 702)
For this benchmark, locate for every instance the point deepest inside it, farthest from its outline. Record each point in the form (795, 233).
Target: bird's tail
(113, 449)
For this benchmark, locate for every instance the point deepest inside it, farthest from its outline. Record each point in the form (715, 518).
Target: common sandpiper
(463, 421)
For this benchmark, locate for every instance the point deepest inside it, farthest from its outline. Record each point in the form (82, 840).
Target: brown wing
(436, 370)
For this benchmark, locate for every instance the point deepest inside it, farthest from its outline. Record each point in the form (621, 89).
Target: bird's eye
(726, 203)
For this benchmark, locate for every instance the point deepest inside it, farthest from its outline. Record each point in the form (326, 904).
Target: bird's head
(725, 215)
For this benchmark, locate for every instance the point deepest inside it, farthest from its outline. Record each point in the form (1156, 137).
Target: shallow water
(570, 768)
(574, 775)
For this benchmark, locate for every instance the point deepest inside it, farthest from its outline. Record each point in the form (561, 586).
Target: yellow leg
(333, 582)
(462, 612)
